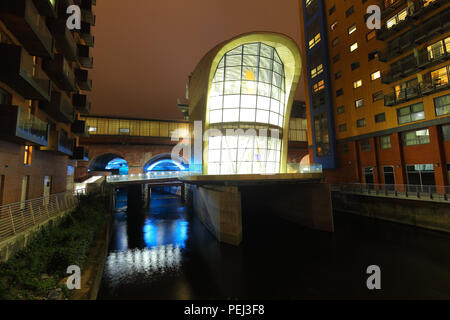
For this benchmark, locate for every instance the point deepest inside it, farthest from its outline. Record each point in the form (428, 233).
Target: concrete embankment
(420, 213)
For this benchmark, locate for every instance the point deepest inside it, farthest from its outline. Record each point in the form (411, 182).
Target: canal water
(166, 253)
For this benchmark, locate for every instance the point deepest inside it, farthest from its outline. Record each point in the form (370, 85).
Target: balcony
(401, 69)
(87, 4)
(80, 154)
(84, 56)
(18, 70)
(87, 16)
(61, 73)
(86, 36)
(428, 59)
(423, 7)
(80, 128)
(82, 103)
(19, 126)
(410, 93)
(65, 42)
(60, 143)
(59, 108)
(434, 26)
(385, 32)
(82, 76)
(23, 18)
(424, 60)
(47, 8)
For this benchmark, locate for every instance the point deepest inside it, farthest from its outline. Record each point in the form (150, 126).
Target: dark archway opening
(109, 162)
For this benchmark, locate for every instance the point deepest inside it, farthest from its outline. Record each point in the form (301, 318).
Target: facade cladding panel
(402, 72)
(321, 113)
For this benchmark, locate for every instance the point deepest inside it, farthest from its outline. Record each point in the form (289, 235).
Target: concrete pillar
(219, 209)
(135, 197)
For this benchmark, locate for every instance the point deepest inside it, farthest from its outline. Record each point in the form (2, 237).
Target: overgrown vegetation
(37, 271)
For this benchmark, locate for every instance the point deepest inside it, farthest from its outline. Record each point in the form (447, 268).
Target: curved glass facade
(248, 86)
(248, 91)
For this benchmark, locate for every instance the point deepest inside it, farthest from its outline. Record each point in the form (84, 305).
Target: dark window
(388, 173)
(349, 11)
(342, 127)
(321, 134)
(365, 145)
(5, 97)
(420, 175)
(332, 10)
(335, 42)
(336, 58)
(337, 75)
(341, 110)
(381, 117)
(446, 132)
(373, 55)
(355, 65)
(344, 147)
(369, 176)
(361, 123)
(339, 92)
(377, 96)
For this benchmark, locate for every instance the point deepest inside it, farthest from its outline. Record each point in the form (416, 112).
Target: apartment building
(378, 101)
(44, 80)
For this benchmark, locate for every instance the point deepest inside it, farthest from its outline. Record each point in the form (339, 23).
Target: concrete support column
(135, 196)
(219, 209)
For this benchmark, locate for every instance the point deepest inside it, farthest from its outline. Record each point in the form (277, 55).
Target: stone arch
(99, 162)
(164, 156)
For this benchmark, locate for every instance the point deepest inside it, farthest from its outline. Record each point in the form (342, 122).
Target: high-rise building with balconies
(44, 79)
(378, 101)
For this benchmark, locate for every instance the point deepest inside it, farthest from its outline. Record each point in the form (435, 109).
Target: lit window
(411, 113)
(318, 86)
(359, 103)
(27, 155)
(352, 29)
(316, 71)
(376, 75)
(413, 138)
(371, 35)
(353, 47)
(248, 87)
(385, 142)
(315, 40)
(357, 84)
(442, 105)
(399, 17)
(333, 26)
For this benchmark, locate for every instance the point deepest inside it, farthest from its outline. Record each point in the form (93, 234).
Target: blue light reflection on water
(160, 233)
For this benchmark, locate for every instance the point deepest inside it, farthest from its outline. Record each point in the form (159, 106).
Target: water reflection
(162, 232)
(146, 244)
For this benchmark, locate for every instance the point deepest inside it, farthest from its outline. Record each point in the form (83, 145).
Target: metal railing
(21, 216)
(153, 175)
(423, 192)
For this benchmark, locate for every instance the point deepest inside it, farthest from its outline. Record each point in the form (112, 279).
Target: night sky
(145, 49)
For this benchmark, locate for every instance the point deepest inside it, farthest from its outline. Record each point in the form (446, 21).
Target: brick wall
(43, 164)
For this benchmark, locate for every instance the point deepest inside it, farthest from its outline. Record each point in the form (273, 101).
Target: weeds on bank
(36, 271)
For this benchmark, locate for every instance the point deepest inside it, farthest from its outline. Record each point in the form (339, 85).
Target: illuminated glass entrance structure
(248, 88)
(249, 83)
